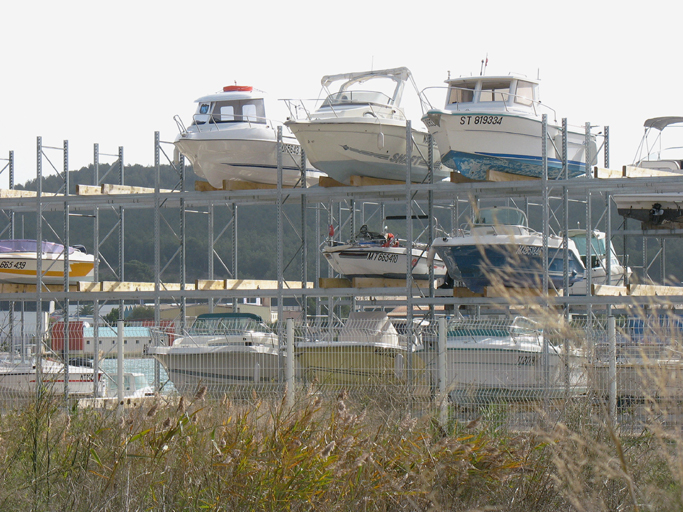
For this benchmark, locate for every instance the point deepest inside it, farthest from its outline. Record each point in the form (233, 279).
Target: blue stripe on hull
(474, 166)
(480, 267)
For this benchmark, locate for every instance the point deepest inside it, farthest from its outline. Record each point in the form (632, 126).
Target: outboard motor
(656, 214)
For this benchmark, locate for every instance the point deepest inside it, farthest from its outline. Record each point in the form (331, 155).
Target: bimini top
(659, 123)
(399, 75)
(22, 245)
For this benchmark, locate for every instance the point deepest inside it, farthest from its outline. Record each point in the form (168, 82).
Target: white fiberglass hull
(19, 379)
(500, 369)
(20, 267)
(651, 209)
(375, 261)
(362, 364)
(650, 379)
(599, 277)
(474, 142)
(219, 368)
(368, 146)
(250, 156)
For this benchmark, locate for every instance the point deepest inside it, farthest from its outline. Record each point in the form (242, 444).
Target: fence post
(441, 373)
(289, 365)
(612, 338)
(119, 364)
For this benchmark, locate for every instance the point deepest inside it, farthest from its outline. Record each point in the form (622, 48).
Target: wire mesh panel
(367, 354)
(505, 359)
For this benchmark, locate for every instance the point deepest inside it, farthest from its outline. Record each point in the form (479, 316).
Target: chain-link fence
(459, 363)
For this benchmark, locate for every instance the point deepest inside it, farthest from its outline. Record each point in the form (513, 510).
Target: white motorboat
(657, 209)
(619, 273)
(231, 138)
(135, 385)
(373, 254)
(500, 248)
(362, 131)
(18, 262)
(652, 154)
(367, 352)
(221, 351)
(495, 123)
(20, 377)
(506, 359)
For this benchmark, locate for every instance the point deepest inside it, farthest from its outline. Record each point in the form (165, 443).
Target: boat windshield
(501, 217)
(357, 98)
(31, 246)
(227, 325)
(494, 91)
(233, 111)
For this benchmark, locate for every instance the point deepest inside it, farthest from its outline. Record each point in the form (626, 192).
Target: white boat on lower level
(221, 351)
(367, 352)
(507, 359)
(18, 262)
(619, 274)
(22, 377)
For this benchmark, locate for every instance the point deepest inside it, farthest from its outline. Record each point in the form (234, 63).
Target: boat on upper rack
(620, 275)
(495, 123)
(361, 129)
(500, 248)
(656, 209)
(508, 359)
(18, 262)
(382, 255)
(222, 351)
(231, 138)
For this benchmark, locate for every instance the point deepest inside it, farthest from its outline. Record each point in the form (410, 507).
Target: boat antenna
(484, 63)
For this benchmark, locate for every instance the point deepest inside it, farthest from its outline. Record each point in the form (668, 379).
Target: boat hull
(21, 380)
(241, 158)
(473, 143)
(375, 261)
(652, 210)
(358, 364)
(22, 268)
(650, 379)
(513, 263)
(365, 147)
(510, 373)
(221, 369)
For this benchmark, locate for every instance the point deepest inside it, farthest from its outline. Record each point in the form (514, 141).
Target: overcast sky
(116, 72)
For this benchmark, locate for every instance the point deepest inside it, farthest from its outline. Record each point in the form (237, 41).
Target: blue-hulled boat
(495, 123)
(500, 248)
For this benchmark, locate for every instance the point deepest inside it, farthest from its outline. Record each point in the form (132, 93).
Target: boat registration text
(481, 120)
(12, 264)
(383, 256)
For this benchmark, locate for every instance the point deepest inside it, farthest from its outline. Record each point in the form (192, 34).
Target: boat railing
(181, 126)
(214, 121)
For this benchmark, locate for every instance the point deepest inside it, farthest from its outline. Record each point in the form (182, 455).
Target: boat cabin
(653, 153)
(598, 251)
(492, 93)
(502, 220)
(236, 104)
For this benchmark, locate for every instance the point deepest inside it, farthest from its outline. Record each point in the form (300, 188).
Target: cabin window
(226, 113)
(88, 342)
(461, 94)
(251, 111)
(494, 91)
(204, 108)
(525, 93)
